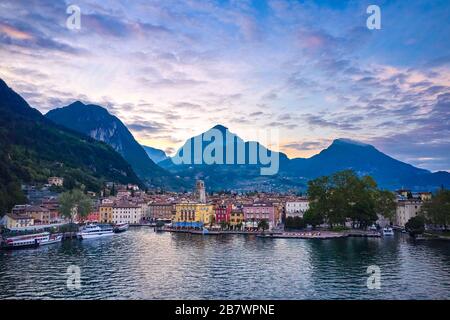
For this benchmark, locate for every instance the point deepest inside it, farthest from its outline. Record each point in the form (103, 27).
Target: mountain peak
(347, 141)
(77, 104)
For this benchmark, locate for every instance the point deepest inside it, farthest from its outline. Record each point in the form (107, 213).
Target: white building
(56, 181)
(406, 209)
(127, 213)
(296, 208)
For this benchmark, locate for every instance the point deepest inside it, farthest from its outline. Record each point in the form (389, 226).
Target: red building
(223, 213)
(92, 217)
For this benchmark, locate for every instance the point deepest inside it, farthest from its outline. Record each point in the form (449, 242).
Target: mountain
(294, 174)
(157, 155)
(33, 148)
(240, 174)
(98, 123)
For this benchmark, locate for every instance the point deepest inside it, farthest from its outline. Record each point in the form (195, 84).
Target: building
(193, 214)
(236, 218)
(200, 191)
(223, 213)
(13, 221)
(93, 217)
(256, 212)
(406, 209)
(106, 212)
(127, 213)
(52, 205)
(163, 211)
(425, 196)
(39, 214)
(296, 208)
(56, 181)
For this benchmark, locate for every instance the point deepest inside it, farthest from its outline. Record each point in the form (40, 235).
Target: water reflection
(142, 264)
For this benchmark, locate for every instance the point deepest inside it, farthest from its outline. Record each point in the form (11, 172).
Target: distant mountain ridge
(293, 174)
(96, 122)
(34, 148)
(157, 155)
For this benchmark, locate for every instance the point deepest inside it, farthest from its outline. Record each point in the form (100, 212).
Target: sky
(311, 70)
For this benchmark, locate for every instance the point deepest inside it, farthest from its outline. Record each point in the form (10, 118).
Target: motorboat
(388, 231)
(92, 231)
(121, 227)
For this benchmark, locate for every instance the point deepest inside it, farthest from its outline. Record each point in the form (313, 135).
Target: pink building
(259, 211)
(223, 213)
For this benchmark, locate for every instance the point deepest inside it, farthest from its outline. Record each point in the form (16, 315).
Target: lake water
(142, 264)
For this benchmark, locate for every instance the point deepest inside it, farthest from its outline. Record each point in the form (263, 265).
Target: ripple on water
(141, 264)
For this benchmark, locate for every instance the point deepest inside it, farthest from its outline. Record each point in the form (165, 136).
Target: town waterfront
(142, 264)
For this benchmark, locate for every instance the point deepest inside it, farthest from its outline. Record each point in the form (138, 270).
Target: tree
(223, 225)
(313, 218)
(386, 204)
(343, 196)
(263, 224)
(437, 210)
(415, 225)
(295, 223)
(74, 202)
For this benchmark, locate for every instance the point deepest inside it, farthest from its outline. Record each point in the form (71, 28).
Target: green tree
(74, 202)
(386, 204)
(343, 196)
(223, 225)
(313, 218)
(263, 224)
(415, 225)
(437, 210)
(295, 223)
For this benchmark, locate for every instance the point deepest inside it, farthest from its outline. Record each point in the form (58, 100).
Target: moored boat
(121, 227)
(92, 231)
(388, 231)
(31, 240)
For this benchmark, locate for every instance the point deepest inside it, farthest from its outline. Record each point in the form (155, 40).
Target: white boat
(31, 240)
(121, 227)
(92, 231)
(373, 228)
(52, 238)
(388, 231)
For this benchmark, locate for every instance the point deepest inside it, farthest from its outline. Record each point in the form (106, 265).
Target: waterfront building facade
(127, 213)
(406, 209)
(223, 213)
(106, 212)
(200, 213)
(163, 211)
(14, 221)
(236, 218)
(256, 212)
(296, 208)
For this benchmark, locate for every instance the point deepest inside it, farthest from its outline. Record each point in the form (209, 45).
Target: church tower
(200, 190)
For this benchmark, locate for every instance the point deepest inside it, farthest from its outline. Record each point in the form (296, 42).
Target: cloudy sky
(311, 69)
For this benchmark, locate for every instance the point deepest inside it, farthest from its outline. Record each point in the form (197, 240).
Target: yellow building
(193, 212)
(106, 213)
(236, 218)
(13, 221)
